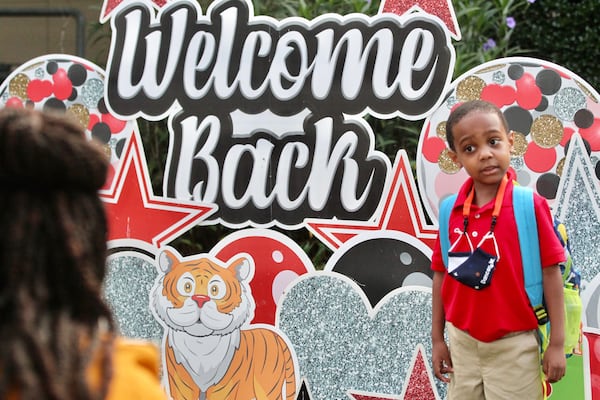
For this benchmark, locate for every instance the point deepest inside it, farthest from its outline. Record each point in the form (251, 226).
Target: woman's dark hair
(466, 108)
(53, 235)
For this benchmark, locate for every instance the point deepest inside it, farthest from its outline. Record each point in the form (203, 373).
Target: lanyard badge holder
(476, 267)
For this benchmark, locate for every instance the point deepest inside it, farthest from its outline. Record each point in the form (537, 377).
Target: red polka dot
(39, 89)
(567, 133)
(529, 94)
(498, 94)
(455, 106)
(115, 125)
(62, 84)
(539, 159)
(592, 135)
(94, 119)
(432, 148)
(14, 102)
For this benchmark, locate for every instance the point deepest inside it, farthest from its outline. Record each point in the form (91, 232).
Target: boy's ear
(454, 157)
(511, 139)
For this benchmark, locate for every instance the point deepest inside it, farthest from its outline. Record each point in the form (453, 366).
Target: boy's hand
(442, 363)
(554, 363)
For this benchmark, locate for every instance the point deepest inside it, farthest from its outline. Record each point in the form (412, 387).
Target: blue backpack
(532, 268)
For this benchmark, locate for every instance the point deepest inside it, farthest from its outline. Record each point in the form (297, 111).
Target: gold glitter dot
(446, 164)
(560, 166)
(547, 131)
(470, 88)
(586, 91)
(107, 150)
(491, 68)
(519, 144)
(440, 130)
(18, 86)
(81, 113)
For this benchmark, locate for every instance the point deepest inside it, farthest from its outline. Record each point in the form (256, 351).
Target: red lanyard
(497, 204)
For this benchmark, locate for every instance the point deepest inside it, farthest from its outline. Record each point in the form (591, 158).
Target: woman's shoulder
(136, 371)
(136, 350)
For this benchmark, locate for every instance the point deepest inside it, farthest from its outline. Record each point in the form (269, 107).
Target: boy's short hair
(466, 108)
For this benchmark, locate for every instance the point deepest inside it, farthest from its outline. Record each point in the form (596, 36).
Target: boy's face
(482, 147)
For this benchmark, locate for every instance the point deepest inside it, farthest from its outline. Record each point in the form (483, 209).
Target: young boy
(493, 348)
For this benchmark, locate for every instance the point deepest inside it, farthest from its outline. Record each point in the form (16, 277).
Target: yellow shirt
(136, 370)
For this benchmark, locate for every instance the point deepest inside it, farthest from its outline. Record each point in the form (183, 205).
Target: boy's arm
(442, 364)
(554, 362)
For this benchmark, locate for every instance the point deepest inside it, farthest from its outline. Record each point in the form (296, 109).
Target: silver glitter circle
(91, 92)
(499, 77)
(567, 102)
(451, 101)
(518, 163)
(127, 287)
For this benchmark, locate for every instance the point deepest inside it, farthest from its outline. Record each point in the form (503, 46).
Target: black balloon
(77, 74)
(101, 131)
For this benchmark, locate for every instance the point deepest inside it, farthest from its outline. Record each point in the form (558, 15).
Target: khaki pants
(506, 369)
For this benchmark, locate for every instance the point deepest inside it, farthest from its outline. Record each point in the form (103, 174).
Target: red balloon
(115, 125)
(432, 148)
(94, 119)
(39, 89)
(592, 135)
(539, 159)
(63, 87)
(14, 102)
(529, 94)
(567, 133)
(499, 95)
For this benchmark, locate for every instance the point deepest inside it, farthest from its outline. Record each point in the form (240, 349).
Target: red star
(109, 5)
(418, 386)
(402, 211)
(135, 214)
(442, 9)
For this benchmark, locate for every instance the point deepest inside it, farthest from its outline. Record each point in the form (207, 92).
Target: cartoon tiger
(206, 354)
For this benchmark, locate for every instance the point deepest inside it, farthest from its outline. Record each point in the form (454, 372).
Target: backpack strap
(528, 240)
(444, 220)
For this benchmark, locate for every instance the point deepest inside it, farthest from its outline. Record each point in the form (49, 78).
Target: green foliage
(566, 33)
(312, 9)
(487, 30)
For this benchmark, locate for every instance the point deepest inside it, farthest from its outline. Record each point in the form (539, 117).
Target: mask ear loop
(461, 235)
(490, 235)
(495, 213)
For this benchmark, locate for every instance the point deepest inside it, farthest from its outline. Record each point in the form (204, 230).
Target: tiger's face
(201, 297)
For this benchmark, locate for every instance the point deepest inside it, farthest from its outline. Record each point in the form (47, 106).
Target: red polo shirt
(503, 307)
